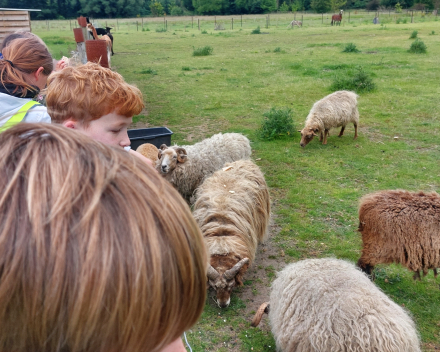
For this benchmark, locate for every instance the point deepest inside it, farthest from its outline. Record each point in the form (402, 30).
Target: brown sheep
(400, 227)
(233, 211)
(149, 150)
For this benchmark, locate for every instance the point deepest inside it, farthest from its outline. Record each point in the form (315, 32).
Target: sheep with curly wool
(328, 304)
(233, 211)
(334, 110)
(185, 167)
(400, 227)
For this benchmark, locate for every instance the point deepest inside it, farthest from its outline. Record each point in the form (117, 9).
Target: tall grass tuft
(359, 82)
(417, 47)
(350, 48)
(205, 51)
(413, 35)
(256, 30)
(276, 123)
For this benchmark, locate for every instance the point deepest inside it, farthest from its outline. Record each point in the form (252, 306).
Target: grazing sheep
(327, 304)
(232, 210)
(149, 150)
(401, 227)
(185, 167)
(295, 23)
(334, 110)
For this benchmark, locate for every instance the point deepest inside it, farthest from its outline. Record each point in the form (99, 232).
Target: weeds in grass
(277, 50)
(256, 30)
(359, 82)
(276, 123)
(350, 48)
(204, 31)
(205, 51)
(160, 30)
(432, 33)
(413, 35)
(148, 71)
(186, 68)
(417, 47)
(145, 29)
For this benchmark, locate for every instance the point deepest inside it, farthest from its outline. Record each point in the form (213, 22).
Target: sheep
(329, 305)
(233, 211)
(334, 110)
(295, 23)
(401, 227)
(148, 150)
(185, 167)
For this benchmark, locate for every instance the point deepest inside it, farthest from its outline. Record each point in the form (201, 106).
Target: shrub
(256, 30)
(176, 11)
(417, 47)
(204, 31)
(205, 51)
(277, 50)
(145, 29)
(186, 68)
(276, 123)
(413, 35)
(350, 48)
(160, 30)
(360, 81)
(432, 33)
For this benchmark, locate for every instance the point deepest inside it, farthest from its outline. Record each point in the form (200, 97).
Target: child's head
(95, 101)
(98, 251)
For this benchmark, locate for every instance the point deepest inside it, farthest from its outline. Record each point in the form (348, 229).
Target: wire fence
(237, 22)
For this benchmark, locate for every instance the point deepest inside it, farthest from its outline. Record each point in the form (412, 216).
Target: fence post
(322, 18)
(302, 20)
(241, 19)
(142, 23)
(232, 22)
(117, 24)
(166, 24)
(348, 16)
(198, 23)
(192, 21)
(412, 14)
(137, 26)
(215, 20)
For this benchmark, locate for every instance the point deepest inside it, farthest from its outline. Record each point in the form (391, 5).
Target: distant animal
(334, 110)
(400, 227)
(232, 210)
(101, 31)
(295, 23)
(185, 167)
(327, 304)
(336, 19)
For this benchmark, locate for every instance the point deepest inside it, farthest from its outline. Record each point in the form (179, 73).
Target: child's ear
(69, 123)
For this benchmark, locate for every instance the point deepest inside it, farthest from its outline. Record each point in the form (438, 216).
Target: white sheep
(185, 167)
(334, 110)
(329, 305)
(233, 211)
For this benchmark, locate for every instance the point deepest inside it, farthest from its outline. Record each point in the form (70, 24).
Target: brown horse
(337, 18)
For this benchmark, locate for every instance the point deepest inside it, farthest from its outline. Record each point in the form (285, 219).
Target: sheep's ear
(159, 153)
(181, 155)
(163, 147)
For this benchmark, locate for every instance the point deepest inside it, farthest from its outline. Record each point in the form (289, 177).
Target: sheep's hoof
(416, 276)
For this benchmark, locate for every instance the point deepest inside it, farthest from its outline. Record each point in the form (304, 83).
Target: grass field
(315, 190)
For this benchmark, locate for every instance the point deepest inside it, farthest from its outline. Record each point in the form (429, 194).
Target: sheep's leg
(321, 137)
(355, 130)
(416, 275)
(435, 272)
(325, 137)
(342, 131)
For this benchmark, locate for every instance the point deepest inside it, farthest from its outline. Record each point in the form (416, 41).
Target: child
(95, 101)
(98, 252)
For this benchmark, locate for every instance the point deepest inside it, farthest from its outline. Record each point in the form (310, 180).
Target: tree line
(66, 9)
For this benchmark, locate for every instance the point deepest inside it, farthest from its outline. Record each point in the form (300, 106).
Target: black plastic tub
(153, 135)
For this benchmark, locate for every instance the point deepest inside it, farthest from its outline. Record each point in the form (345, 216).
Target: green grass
(315, 190)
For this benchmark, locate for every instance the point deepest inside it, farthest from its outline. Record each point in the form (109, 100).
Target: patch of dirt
(430, 347)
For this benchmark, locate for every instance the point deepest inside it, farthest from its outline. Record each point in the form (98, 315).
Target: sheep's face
(307, 135)
(224, 282)
(169, 157)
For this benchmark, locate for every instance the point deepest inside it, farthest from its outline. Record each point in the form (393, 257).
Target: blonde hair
(24, 55)
(97, 251)
(87, 92)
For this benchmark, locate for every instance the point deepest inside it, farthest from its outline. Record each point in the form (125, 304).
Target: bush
(204, 31)
(276, 123)
(149, 71)
(417, 47)
(176, 11)
(277, 50)
(145, 29)
(360, 81)
(186, 68)
(205, 51)
(160, 30)
(256, 30)
(350, 48)
(413, 35)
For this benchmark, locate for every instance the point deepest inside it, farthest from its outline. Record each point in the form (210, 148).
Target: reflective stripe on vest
(19, 116)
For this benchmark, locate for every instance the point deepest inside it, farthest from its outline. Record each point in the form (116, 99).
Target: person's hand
(60, 65)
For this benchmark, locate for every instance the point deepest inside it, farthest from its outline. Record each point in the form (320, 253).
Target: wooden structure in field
(13, 20)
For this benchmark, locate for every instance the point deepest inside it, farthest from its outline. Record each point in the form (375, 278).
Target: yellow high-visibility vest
(19, 116)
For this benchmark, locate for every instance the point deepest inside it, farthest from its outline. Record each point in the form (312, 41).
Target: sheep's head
(307, 135)
(169, 157)
(224, 282)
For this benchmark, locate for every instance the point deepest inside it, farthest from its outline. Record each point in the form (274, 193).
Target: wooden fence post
(117, 24)
(232, 22)
(302, 20)
(241, 19)
(348, 16)
(192, 21)
(137, 26)
(412, 16)
(142, 23)
(323, 18)
(198, 23)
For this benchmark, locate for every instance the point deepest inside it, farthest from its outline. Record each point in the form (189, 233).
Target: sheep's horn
(163, 147)
(212, 273)
(264, 308)
(230, 274)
